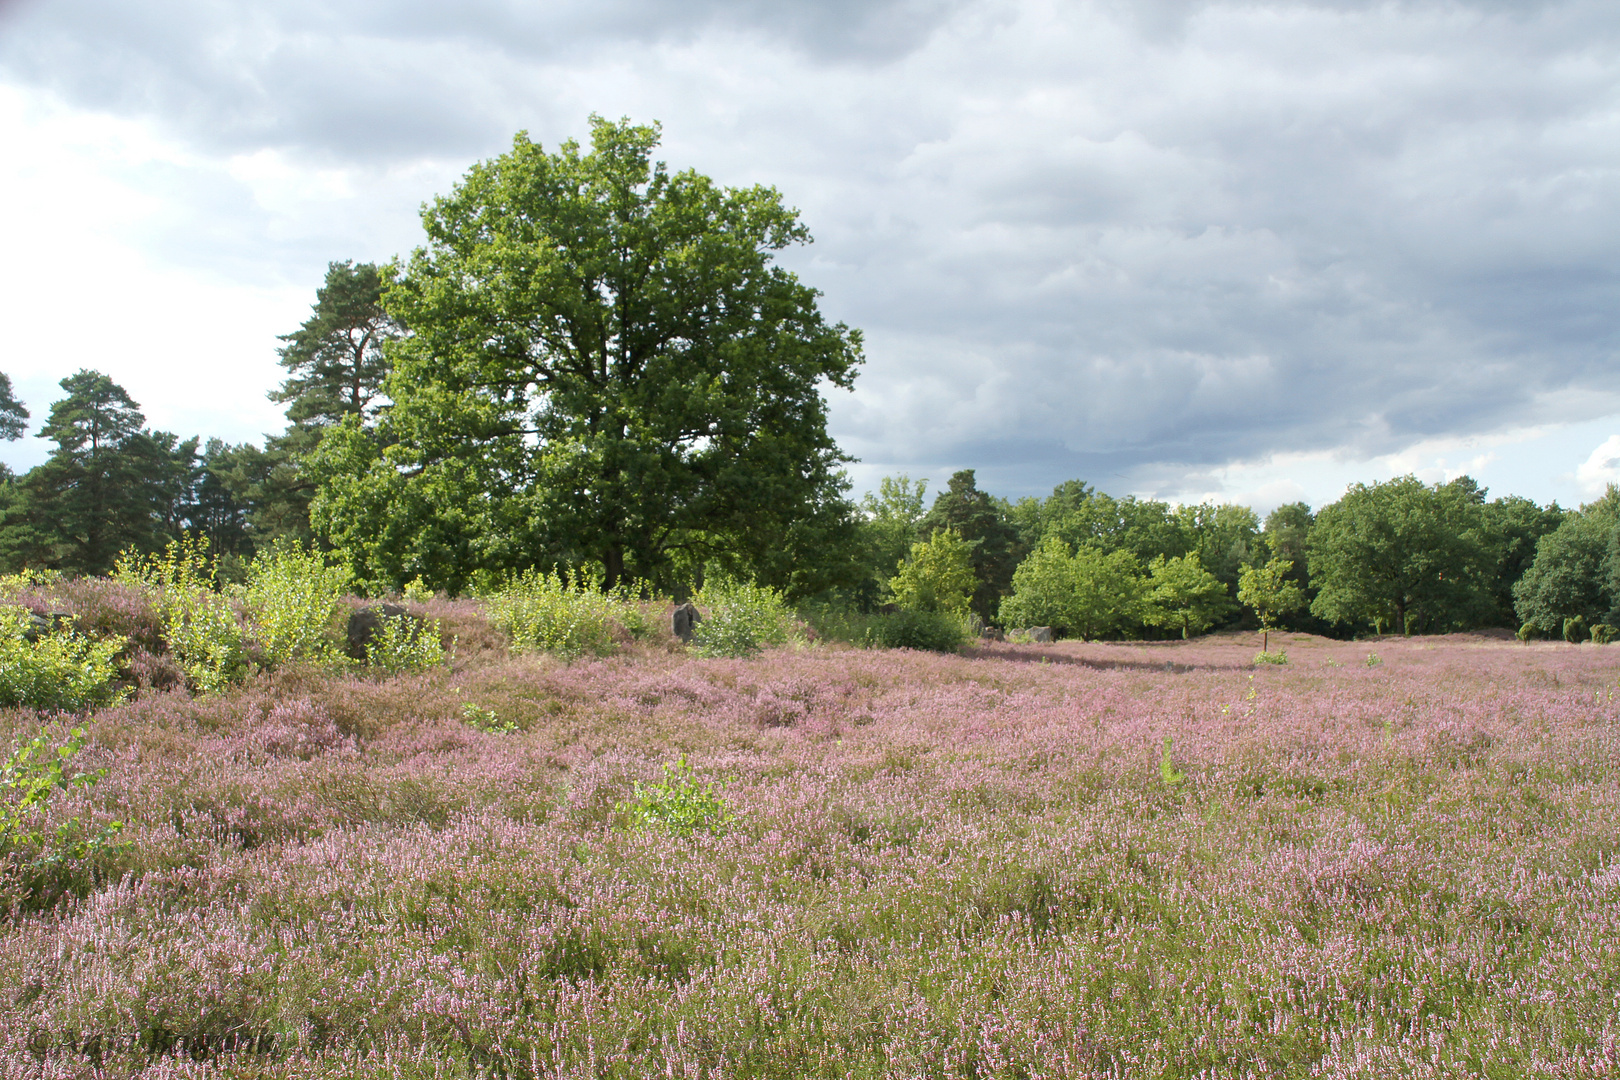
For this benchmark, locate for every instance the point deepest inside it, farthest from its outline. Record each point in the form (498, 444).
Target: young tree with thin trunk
(1268, 590)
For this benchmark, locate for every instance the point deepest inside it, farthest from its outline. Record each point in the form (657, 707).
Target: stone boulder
(683, 620)
(1040, 634)
(366, 623)
(37, 626)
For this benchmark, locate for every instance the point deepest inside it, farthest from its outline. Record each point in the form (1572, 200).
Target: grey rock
(365, 623)
(683, 620)
(37, 626)
(1042, 634)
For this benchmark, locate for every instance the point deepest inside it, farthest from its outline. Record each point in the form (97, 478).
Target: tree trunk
(613, 563)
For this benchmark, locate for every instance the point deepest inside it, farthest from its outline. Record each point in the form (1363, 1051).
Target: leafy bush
(62, 671)
(293, 601)
(541, 612)
(28, 778)
(199, 626)
(1089, 592)
(1529, 631)
(1278, 657)
(405, 643)
(487, 720)
(742, 619)
(678, 803)
(1603, 633)
(937, 577)
(1575, 630)
(935, 631)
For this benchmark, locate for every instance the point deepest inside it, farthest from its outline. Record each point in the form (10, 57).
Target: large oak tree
(604, 369)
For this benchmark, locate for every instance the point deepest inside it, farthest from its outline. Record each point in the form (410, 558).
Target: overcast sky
(1246, 252)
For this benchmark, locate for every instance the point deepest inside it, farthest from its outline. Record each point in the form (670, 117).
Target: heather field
(1071, 860)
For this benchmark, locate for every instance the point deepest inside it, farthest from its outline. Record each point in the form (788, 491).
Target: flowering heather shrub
(1131, 859)
(101, 607)
(293, 598)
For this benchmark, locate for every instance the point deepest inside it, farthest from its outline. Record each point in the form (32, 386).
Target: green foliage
(1081, 517)
(1604, 633)
(890, 523)
(1529, 631)
(1513, 528)
(935, 631)
(1279, 657)
(605, 369)
(1087, 593)
(540, 612)
(679, 803)
(1374, 660)
(1167, 769)
(293, 599)
(1402, 554)
(199, 626)
(1570, 575)
(13, 415)
(60, 672)
(1223, 537)
(1270, 592)
(937, 576)
(1575, 630)
(742, 619)
(993, 544)
(487, 720)
(405, 643)
(110, 484)
(335, 361)
(34, 772)
(1184, 596)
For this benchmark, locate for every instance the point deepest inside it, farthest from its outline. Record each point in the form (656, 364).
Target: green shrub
(62, 671)
(487, 720)
(742, 619)
(199, 626)
(1603, 633)
(935, 631)
(678, 803)
(1278, 657)
(1529, 631)
(938, 576)
(1087, 592)
(405, 643)
(293, 602)
(1575, 630)
(28, 778)
(542, 613)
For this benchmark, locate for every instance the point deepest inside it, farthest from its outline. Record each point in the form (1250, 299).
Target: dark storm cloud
(1105, 240)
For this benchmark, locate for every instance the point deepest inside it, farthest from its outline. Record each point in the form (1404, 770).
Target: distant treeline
(1395, 556)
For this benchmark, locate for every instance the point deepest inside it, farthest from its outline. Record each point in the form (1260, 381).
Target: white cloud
(1180, 247)
(1601, 469)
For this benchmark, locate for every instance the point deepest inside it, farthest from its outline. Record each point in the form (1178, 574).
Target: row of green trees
(594, 366)
(1397, 556)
